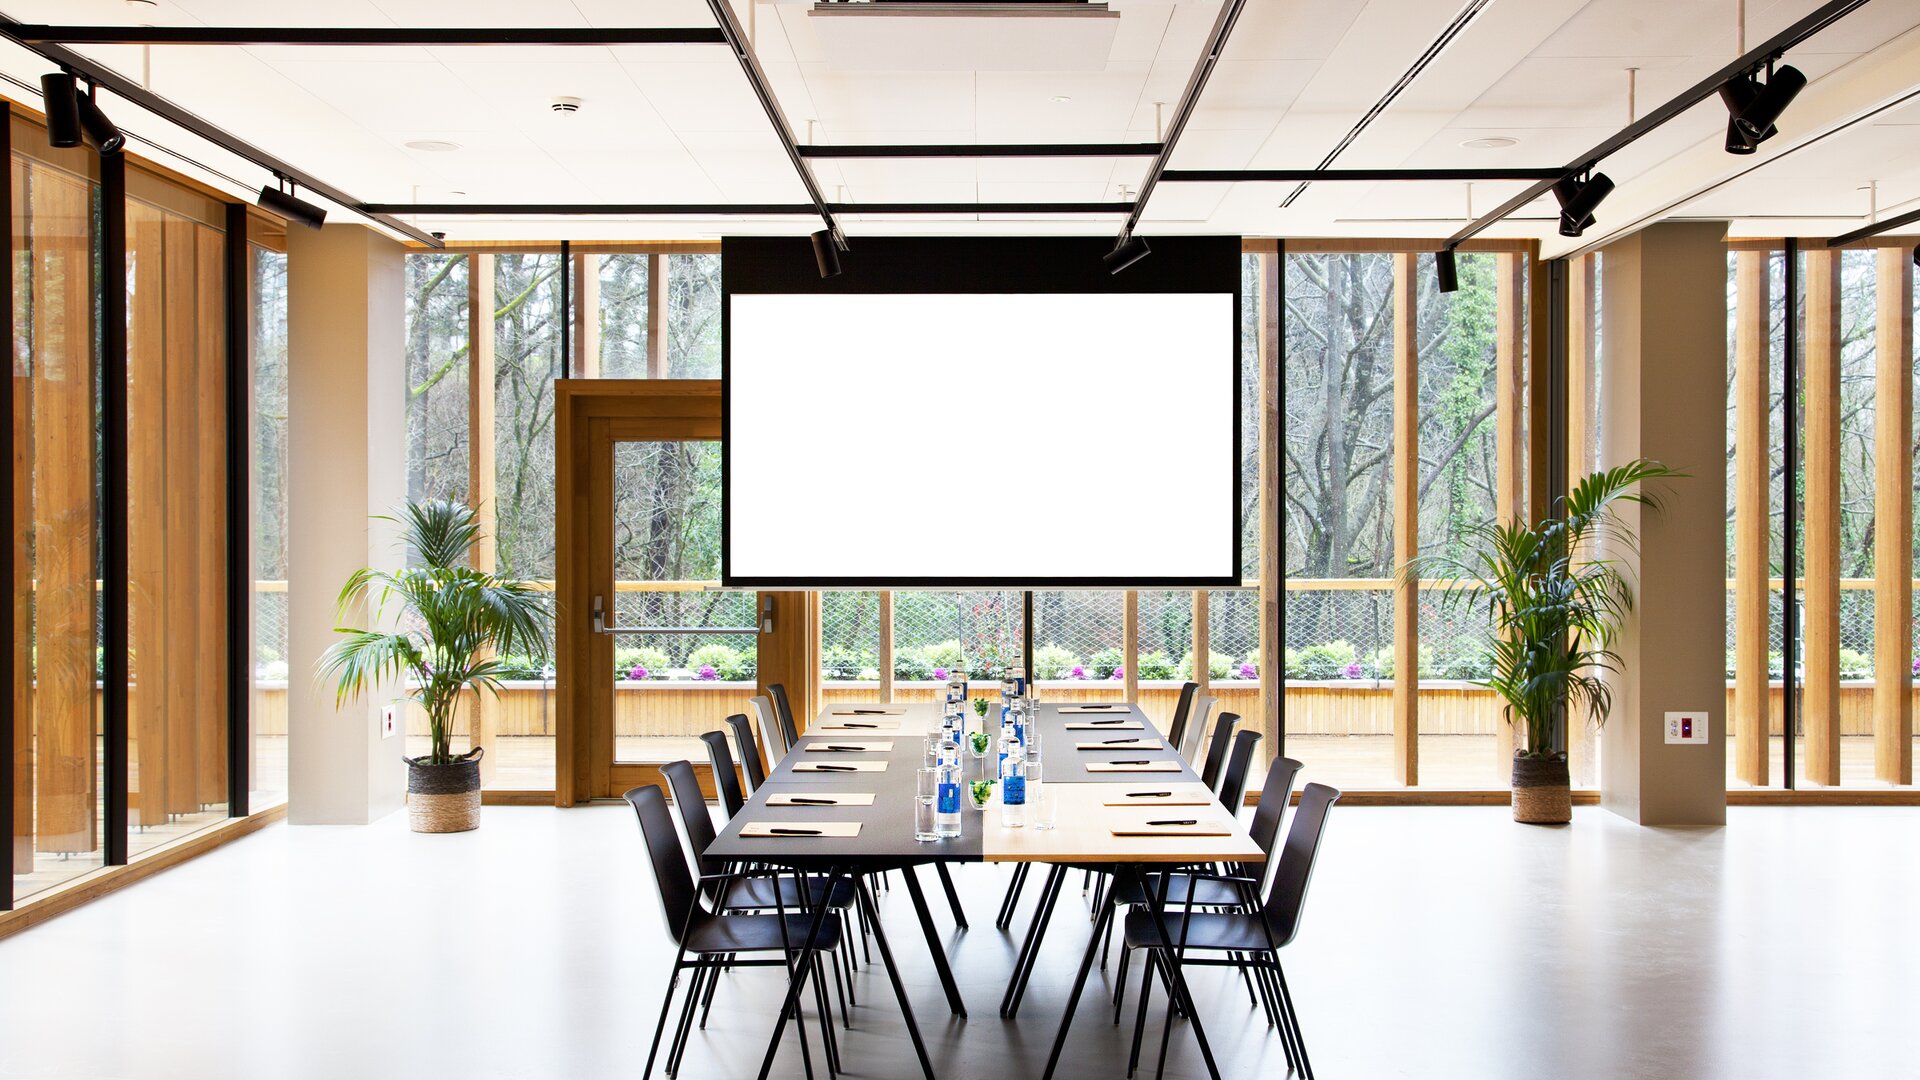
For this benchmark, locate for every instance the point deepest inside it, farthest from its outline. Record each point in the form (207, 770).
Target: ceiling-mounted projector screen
(981, 413)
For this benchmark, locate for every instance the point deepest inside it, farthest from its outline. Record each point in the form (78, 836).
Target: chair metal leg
(953, 895)
(1293, 1021)
(827, 1037)
(797, 977)
(684, 1025)
(706, 1004)
(666, 1006)
(1120, 982)
(1140, 1014)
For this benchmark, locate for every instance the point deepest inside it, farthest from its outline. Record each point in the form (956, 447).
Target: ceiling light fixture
(437, 146)
(826, 253)
(281, 201)
(1446, 270)
(1578, 199)
(60, 96)
(1491, 142)
(1131, 249)
(100, 132)
(1753, 106)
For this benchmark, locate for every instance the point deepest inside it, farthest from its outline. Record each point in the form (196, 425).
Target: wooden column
(1510, 434)
(483, 718)
(208, 586)
(586, 316)
(886, 646)
(1406, 520)
(1893, 518)
(1580, 735)
(1752, 480)
(1272, 583)
(150, 631)
(657, 316)
(1821, 697)
(1202, 672)
(790, 655)
(1130, 645)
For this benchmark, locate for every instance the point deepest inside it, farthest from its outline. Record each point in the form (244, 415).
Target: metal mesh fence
(849, 636)
(1338, 633)
(1233, 634)
(270, 634)
(1077, 635)
(686, 657)
(941, 631)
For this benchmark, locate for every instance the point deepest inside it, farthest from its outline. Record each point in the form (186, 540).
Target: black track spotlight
(1578, 199)
(1764, 103)
(61, 96)
(1128, 251)
(283, 203)
(1738, 94)
(826, 254)
(1446, 270)
(99, 131)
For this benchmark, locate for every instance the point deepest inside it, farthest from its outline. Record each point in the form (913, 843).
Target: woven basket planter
(444, 798)
(1542, 792)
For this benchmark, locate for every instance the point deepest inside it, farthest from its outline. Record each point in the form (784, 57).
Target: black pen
(801, 800)
(843, 746)
(835, 768)
(816, 832)
(1084, 708)
(1110, 742)
(1106, 721)
(854, 724)
(1141, 795)
(1187, 821)
(1142, 761)
(866, 712)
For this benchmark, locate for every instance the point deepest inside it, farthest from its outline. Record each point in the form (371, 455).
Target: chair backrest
(777, 745)
(725, 780)
(1265, 827)
(678, 898)
(1217, 749)
(783, 709)
(1190, 744)
(1233, 782)
(1288, 892)
(1177, 731)
(749, 753)
(694, 818)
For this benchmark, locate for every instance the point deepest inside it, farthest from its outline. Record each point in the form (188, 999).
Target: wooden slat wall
(1271, 593)
(179, 611)
(65, 761)
(1509, 407)
(1581, 736)
(208, 586)
(1893, 518)
(1751, 391)
(1822, 387)
(148, 631)
(483, 714)
(1406, 519)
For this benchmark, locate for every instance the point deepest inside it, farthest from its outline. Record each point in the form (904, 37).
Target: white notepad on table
(849, 746)
(800, 830)
(1151, 766)
(840, 766)
(1124, 725)
(1096, 708)
(821, 798)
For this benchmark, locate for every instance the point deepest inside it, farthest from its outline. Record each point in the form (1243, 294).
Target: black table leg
(1178, 994)
(799, 976)
(893, 973)
(953, 896)
(938, 950)
(1030, 952)
(1079, 984)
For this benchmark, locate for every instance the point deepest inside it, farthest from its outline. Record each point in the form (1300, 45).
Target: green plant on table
(980, 707)
(979, 741)
(981, 791)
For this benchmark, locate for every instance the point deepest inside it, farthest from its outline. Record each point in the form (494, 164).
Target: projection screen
(982, 438)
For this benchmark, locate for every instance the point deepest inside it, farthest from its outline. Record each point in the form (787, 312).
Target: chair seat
(1209, 893)
(757, 933)
(756, 893)
(1207, 931)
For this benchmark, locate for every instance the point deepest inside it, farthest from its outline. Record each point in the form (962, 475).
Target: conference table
(1104, 805)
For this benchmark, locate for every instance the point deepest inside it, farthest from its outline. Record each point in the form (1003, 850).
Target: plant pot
(1542, 792)
(444, 798)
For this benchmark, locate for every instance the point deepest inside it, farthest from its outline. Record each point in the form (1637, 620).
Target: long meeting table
(1098, 825)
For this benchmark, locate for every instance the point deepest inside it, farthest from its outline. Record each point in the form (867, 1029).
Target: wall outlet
(1687, 728)
(390, 719)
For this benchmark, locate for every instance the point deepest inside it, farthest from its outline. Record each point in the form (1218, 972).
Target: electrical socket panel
(390, 714)
(1687, 728)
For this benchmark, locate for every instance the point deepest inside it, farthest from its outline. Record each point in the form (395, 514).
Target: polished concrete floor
(1438, 943)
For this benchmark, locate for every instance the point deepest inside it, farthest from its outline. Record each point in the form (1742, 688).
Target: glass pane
(1338, 369)
(1857, 380)
(1165, 644)
(935, 633)
(693, 316)
(622, 315)
(669, 688)
(1077, 637)
(1249, 417)
(56, 756)
(527, 324)
(268, 771)
(1233, 662)
(437, 399)
(176, 526)
(849, 645)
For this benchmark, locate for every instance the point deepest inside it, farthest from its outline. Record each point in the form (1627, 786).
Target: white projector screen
(975, 438)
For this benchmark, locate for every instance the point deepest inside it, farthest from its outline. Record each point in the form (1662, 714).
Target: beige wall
(347, 459)
(1663, 395)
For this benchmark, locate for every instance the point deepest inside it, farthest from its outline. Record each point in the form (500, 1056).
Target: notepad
(1124, 744)
(850, 746)
(1175, 799)
(1151, 766)
(800, 830)
(1096, 708)
(1202, 827)
(819, 798)
(867, 710)
(857, 723)
(1124, 725)
(840, 766)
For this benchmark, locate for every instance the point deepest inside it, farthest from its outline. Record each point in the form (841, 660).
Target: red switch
(1686, 727)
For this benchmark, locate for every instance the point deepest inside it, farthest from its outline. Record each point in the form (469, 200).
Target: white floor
(1439, 942)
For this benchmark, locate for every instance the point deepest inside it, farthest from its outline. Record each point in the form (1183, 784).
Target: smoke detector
(565, 104)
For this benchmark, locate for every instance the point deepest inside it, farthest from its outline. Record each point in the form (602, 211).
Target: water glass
(927, 789)
(1043, 807)
(933, 748)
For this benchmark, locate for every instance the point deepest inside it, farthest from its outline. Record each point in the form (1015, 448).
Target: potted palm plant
(1556, 596)
(450, 623)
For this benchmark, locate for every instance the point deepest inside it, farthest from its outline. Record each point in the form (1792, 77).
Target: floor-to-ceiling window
(268, 440)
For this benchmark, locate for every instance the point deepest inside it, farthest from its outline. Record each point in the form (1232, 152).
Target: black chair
(1251, 938)
(705, 940)
(1190, 745)
(1233, 782)
(769, 721)
(725, 780)
(783, 709)
(1177, 731)
(749, 753)
(1217, 750)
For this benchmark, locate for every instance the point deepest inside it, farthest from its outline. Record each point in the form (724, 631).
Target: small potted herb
(979, 793)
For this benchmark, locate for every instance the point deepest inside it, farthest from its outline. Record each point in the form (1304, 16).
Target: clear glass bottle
(1013, 780)
(946, 821)
(1017, 715)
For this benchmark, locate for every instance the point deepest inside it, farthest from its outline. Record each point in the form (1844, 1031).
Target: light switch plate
(390, 719)
(1687, 728)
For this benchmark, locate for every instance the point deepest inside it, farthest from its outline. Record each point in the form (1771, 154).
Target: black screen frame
(1019, 265)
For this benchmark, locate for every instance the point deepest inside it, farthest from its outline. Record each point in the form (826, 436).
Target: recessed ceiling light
(1061, 99)
(435, 145)
(1494, 142)
(143, 3)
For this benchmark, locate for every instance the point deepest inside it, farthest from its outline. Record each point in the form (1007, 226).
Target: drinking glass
(925, 792)
(1044, 808)
(933, 749)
